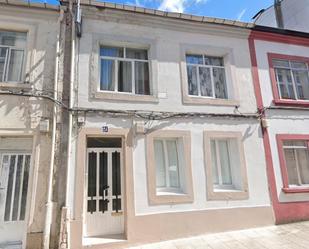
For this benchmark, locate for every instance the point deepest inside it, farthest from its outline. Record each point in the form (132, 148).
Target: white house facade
(167, 140)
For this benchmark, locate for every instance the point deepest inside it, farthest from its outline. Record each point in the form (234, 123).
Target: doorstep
(106, 241)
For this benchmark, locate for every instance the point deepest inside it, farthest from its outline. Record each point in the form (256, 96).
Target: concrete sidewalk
(290, 236)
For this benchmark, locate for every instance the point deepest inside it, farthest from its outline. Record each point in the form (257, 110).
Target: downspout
(71, 102)
(278, 13)
(49, 203)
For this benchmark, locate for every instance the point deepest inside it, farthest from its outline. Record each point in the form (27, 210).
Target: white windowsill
(125, 96)
(200, 100)
(15, 85)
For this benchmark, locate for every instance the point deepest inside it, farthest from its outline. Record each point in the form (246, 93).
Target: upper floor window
(206, 76)
(12, 53)
(292, 79)
(124, 70)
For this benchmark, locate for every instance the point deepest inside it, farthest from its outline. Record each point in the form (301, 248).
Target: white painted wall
(280, 122)
(295, 15)
(166, 45)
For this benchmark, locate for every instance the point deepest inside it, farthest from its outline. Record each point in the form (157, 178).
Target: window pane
(194, 59)
(111, 51)
(92, 174)
(107, 82)
(192, 80)
(220, 83)
(214, 61)
(301, 79)
(205, 82)
(173, 163)
(298, 65)
(25, 188)
(160, 163)
(215, 175)
(9, 192)
(290, 159)
(17, 39)
(3, 58)
(15, 65)
(124, 76)
(140, 54)
(18, 176)
(303, 160)
(116, 174)
(285, 83)
(281, 63)
(142, 78)
(225, 162)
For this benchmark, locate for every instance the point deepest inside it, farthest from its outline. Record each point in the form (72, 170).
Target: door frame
(33, 172)
(98, 150)
(77, 228)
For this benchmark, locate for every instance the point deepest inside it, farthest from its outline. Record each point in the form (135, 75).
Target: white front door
(104, 192)
(14, 180)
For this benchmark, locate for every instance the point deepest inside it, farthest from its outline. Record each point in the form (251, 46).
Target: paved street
(291, 236)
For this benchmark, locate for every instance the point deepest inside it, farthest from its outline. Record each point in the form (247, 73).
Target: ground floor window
(294, 160)
(225, 165)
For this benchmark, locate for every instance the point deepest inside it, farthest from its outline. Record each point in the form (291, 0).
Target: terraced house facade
(122, 125)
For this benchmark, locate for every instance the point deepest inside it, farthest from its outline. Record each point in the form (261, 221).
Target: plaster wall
(255, 163)
(167, 47)
(280, 121)
(295, 15)
(20, 116)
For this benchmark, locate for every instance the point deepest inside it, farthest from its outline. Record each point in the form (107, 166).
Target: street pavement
(290, 236)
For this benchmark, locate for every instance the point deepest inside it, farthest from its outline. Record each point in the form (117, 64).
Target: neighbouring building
(280, 64)
(285, 14)
(166, 138)
(28, 69)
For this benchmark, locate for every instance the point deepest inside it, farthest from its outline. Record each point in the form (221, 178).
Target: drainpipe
(278, 13)
(49, 203)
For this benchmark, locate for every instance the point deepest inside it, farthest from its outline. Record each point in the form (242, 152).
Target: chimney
(278, 12)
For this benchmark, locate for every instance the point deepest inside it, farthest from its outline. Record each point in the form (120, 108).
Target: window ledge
(209, 101)
(15, 85)
(168, 198)
(125, 97)
(220, 195)
(293, 190)
(287, 102)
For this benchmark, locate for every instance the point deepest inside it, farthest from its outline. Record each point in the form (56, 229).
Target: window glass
(192, 80)
(222, 163)
(210, 81)
(297, 162)
(12, 53)
(173, 163)
(124, 70)
(166, 152)
(194, 59)
(111, 51)
(124, 76)
(219, 83)
(107, 75)
(141, 78)
(140, 54)
(160, 163)
(292, 79)
(205, 81)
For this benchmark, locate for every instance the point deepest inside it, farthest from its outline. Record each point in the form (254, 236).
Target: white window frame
(132, 61)
(221, 185)
(296, 160)
(211, 67)
(167, 187)
(291, 69)
(8, 58)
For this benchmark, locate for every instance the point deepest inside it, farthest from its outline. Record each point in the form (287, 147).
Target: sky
(242, 10)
